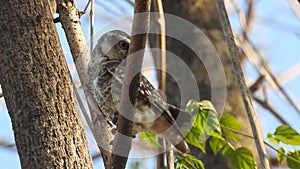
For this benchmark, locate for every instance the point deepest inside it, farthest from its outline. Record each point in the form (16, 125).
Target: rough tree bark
(37, 89)
(203, 14)
(69, 16)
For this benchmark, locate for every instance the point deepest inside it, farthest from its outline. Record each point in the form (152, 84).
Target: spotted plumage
(153, 114)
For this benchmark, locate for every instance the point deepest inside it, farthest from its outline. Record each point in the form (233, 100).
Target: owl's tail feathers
(184, 120)
(176, 139)
(183, 147)
(170, 131)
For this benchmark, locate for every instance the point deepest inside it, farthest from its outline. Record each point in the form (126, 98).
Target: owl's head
(113, 45)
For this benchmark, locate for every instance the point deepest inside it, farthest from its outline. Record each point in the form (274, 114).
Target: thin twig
(267, 106)
(92, 21)
(266, 143)
(264, 70)
(287, 156)
(140, 27)
(264, 103)
(86, 6)
(6, 144)
(264, 163)
(248, 19)
(162, 71)
(291, 73)
(95, 156)
(257, 84)
(130, 2)
(81, 106)
(160, 158)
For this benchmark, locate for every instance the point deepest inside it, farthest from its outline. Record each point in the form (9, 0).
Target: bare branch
(291, 73)
(160, 158)
(69, 17)
(140, 27)
(249, 52)
(92, 22)
(257, 84)
(6, 144)
(162, 73)
(81, 105)
(253, 56)
(130, 2)
(264, 163)
(162, 45)
(87, 5)
(266, 105)
(248, 19)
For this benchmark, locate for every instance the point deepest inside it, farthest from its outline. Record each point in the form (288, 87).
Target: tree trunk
(203, 14)
(37, 89)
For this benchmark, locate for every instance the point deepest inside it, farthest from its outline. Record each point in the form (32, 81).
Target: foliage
(135, 165)
(150, 139)
(216, 131)
(188, 162)
(208, 126)
(286, 135)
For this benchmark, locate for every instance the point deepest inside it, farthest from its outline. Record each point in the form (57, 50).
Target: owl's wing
(116, 70)
(183, 119)
(151, 97)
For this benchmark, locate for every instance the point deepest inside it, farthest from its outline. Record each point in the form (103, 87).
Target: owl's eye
(123, 44)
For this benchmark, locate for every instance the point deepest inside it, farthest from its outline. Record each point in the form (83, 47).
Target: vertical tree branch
(264, 163)
(140, 27)
(70, 20)
(37, 89)
(162, 75)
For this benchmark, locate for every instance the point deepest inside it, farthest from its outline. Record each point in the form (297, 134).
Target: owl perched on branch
(151, 112)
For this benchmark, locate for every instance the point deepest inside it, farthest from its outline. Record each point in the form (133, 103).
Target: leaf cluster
(213, 130)
(219, 131)
(285, 134)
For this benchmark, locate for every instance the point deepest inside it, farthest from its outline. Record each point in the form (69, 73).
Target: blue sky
(275, 32)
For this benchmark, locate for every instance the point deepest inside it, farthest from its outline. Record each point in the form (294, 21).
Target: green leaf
(135, 165)
(216, 144)
(197, 138)
(272, 139)
(287, 135)
(207, 121)
(228, 150)
(217, 134)
(207, 105)
(231, 122)
(212, 123)
(293, 159)
(188, 162)
(232, 136)
(150, 138)
(212, 117)
(280, 154)
(192, 107)
(242, 158)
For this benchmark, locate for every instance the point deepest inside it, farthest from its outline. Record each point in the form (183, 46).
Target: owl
(152, 113)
